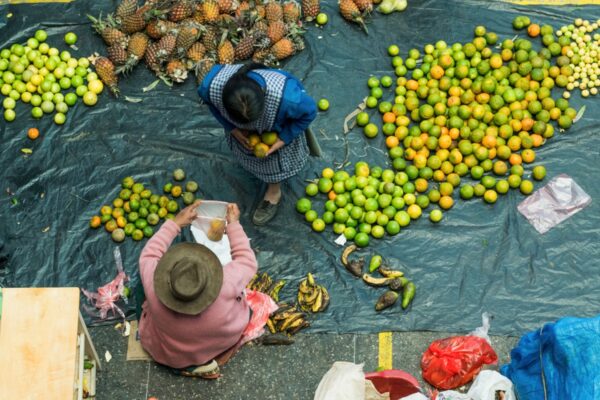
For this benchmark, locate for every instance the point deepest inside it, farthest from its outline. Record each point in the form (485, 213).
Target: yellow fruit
(96, 86)
(260, 150)
(269, 138)
(253, 140)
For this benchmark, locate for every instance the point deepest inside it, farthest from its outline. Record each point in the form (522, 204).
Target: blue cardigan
(296, 109)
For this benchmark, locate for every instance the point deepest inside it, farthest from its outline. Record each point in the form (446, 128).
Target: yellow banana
(271, 326)
(318, 301)
(311, 279)
(325, 302)
(288, 321)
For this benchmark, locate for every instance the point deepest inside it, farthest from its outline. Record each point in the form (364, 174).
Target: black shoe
(264, 212)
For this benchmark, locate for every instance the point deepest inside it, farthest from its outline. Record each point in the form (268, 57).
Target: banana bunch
(287, 319)
(264, 283)
(312, 297)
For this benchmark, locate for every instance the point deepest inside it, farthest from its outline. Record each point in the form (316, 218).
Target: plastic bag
(560, 361)
(262, 306)
(487, 383)
(555, 202)
(343, 381)
(452, 362)
(106, 297)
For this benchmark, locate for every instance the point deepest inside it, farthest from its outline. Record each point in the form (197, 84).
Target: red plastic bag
(452, 362)
(262, 306)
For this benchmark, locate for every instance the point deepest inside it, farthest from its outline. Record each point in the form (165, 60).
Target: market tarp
(479, 258)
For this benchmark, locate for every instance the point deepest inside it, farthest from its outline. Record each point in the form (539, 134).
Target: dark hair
(243, 97)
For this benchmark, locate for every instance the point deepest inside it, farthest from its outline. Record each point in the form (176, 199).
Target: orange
(412, 84)
(391, 142)
(527, 124)
(528, 155)
(420, 161)
(454, 133)
(446, 202)
(269, 138)
(389, 117)
(414, 211)
(439, 176)
(253, 139)
(533, 30)
(111, 225)
(538, 140)
(260, 151)
(331, 195)
(514, 143)
(176, 190)
(33, 133)
(515, 159)
(437, 72)
(106, 210)
(95, 221)
(409, 154)
(500, 168)
(328, 173)
(118, 203)
(402, 120)
(489, 141)
(117, 212)
(442, 154)
(121, 222)
(421, 185)
(445, 141)
(445, 61)
(492, 153)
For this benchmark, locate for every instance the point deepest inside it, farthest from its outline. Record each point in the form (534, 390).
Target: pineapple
(185, 38)
(225, 6)
(350, 12)
(284, 48)
(109, 33)
(244, 48)
(126, 8)
(261, 26)
(196, 52)
(225, 52)
(260, 55)
(276, 31)
(261, 11)
(106, 71)
(242, 8)
(180, 11)
(151, 57)
(198, 15)
(133, 23)
(310, 9)
(210, 11)
(159, 28)
(176, 71)
(135, 51)
(273, 11)
(365, 6)
(209, 38)
(116, 54)
(166, 45)
(291, 11)
(202, 68)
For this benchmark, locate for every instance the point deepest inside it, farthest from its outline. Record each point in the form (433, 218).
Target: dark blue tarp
(480, 258)
(560, 361)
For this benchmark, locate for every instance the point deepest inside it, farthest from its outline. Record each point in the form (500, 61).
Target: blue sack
(561, 361)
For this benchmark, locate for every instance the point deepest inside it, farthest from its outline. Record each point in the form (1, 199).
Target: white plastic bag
(487, 383)
(343, 381)
(482, 331)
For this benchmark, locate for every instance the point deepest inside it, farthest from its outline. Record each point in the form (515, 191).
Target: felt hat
(188, 278)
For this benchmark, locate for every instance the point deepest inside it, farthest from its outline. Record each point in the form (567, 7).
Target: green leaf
(133, 99)
(579, 114)
(151, 86)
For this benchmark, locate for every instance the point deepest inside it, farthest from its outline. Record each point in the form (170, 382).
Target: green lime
(323, 104)
(70, 38)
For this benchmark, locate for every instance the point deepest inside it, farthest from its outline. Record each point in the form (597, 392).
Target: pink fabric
(180, 340)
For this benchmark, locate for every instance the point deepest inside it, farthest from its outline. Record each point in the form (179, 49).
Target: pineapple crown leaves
(294, 30)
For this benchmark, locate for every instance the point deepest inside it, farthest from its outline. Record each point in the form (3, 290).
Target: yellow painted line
(385, 350)
(554, 2)
(2, 2)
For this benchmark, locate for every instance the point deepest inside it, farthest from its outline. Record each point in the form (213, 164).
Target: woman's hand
(187, 215)
(242, 137)
(276, 146)
(233, 213)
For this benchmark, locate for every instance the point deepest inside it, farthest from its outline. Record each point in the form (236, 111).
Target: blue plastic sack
(558, 362)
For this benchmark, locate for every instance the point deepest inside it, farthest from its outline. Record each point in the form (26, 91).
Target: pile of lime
(48, 79)
(465, 121)
(137, 210)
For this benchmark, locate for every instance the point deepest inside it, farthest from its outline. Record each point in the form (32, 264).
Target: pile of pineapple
(174, 37)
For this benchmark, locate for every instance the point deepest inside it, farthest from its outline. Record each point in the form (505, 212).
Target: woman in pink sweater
(190, 320)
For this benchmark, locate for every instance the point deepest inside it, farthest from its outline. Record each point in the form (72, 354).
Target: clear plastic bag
(487, 383)
(553, 203)
(211, 219)
(343, 381)
(452, 362)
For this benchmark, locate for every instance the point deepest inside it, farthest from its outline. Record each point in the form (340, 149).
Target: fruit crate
(211, 219)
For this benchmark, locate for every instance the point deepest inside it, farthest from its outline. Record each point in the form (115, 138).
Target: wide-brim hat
(188, 278)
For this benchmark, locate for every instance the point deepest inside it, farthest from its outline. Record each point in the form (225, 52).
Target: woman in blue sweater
(251, 98)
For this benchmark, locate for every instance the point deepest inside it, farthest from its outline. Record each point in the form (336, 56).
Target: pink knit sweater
(180, 340)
